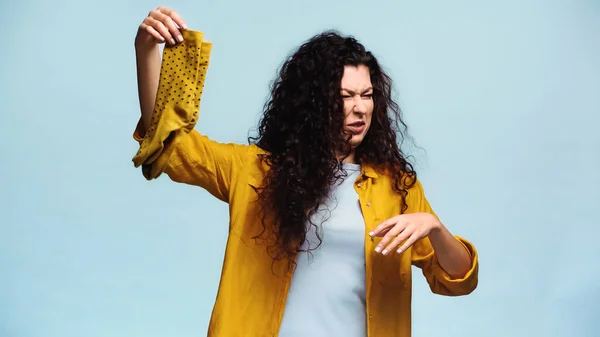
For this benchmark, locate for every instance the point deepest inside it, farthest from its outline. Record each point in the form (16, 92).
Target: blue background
(503, 96)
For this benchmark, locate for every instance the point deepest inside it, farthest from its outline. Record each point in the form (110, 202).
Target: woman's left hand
(410, 227)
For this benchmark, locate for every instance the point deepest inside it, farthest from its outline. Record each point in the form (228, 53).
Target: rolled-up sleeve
(424, 256)
(440, 282)
(171, 145)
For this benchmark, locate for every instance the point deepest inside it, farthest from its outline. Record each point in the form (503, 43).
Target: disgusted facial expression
(357, 94)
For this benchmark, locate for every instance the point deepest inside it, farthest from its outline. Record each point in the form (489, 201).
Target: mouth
(356, 127)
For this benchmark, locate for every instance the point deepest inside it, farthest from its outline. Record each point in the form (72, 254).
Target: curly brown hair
(301, 132)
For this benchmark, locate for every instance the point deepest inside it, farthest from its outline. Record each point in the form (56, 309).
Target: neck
(349, 159)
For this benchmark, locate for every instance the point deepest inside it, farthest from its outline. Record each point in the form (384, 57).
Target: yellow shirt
(252, 292)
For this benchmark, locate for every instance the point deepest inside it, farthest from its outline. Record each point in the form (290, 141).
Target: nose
(360, 108)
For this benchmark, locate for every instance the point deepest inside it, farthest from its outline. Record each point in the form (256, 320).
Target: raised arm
(160, 26)
(170, 89)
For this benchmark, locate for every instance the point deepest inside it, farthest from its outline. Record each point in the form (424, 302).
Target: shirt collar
(369, 172)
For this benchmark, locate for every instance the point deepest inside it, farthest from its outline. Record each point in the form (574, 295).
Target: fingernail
(184, 26)
(377, 249)
(384, 252)
(172, 41)
(371, 233)
(399, 251)
(179, 38)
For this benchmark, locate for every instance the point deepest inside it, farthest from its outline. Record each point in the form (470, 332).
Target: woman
(326, 214)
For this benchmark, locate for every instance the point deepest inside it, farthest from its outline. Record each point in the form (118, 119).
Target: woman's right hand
(161, 25)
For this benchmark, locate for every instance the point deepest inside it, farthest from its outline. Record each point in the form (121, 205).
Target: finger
(406, 233)
(411, 240)
(167, 23)
(178, 20)
(391, 235)
(160, 28)
(166, 16)
(173, 28)
(385, 225)
(152, 32)
(384, 231)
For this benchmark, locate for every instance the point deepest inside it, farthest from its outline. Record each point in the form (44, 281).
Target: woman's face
(357, 93)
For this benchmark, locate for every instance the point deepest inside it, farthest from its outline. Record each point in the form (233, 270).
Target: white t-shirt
(327, 293)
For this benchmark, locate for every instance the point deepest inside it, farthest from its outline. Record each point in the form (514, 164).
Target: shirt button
(359, 185)
(368, 204)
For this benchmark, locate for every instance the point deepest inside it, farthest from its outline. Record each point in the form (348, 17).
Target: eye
(368, 95)
(346, 96)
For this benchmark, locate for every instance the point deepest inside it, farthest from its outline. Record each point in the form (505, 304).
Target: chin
(356, 141)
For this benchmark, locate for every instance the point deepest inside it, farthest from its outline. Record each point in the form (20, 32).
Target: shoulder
(411, 188)
(408, 181)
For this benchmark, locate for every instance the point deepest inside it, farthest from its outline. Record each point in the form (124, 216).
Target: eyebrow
(352, 91)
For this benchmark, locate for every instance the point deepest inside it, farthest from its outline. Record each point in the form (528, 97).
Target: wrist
(437, 226)
(144, 42)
